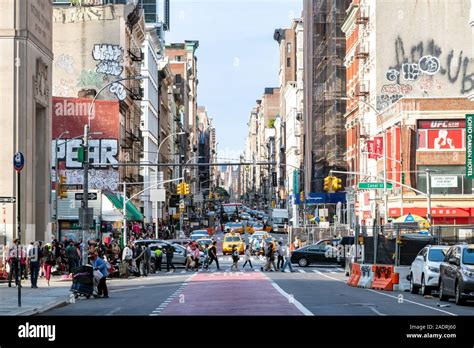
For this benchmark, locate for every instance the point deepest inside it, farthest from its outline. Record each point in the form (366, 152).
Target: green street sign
(373, 185)
(469, 143)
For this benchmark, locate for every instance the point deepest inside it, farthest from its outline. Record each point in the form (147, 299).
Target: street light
(384, 137)
(85, 194)
(125, 201)
(157, 171)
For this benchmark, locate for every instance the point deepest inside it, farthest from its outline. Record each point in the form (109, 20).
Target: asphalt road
(307, 291)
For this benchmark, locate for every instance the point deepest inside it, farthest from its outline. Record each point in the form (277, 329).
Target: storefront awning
(133, 213)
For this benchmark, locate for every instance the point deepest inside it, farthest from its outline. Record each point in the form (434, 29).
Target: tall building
(111, 38)
(25, 94)
(290, 136)
(325, 87)
(408, 85)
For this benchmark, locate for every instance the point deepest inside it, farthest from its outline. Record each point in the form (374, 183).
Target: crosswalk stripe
(301, 271)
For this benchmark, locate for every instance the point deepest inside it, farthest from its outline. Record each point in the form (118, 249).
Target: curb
(42, 309)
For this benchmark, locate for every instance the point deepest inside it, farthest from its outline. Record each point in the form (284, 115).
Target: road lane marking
(391, 296)
(376, 311)
(292, 299)
(128, 289)
(301, 271)
(113, 311)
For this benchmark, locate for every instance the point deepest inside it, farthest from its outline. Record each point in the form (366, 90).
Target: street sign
(443, 181)
(18, 161)
(373, 185)
(469, 145)
(7, 199)
(91, 196)
(198, 198)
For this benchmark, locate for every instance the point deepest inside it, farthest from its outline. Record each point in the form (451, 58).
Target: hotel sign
(469, 140)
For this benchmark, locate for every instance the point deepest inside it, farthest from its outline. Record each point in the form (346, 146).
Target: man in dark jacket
(169, 250)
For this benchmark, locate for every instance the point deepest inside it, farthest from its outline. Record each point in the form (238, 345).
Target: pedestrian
(100, 265)
(72, 256)
(235, 259)
(213, 254)
(158, 256)
(197, 256)
(169, 250)
(34, 257)
(248, 253)
(287, 253)
(146, 260)
(49, 261)
(205, 262)
(189, 256)
(280, 255)
(139, 257)
(14, 263)
(297, 243)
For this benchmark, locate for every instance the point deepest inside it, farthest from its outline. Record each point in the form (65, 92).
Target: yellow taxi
(232, 240)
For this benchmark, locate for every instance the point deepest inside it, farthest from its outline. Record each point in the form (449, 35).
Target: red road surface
(247, 293)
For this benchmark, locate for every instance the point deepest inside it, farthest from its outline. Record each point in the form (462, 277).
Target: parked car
(198, 234)
(179, 255)
(181, 241)
(424, 271)
(456, 274)
(323, 252)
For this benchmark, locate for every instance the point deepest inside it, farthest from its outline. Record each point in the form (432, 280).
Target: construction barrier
(355, 275)
(384, 277)
(403, 283)
(366, 276)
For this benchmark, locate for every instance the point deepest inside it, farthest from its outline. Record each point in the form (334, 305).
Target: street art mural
(71, 114)
(109, 59)
(423, 68)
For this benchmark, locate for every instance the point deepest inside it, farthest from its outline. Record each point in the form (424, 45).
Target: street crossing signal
(328, 183)
(186, 188)
(336, 184)
(403, 178)
(62, 191)
(302, 196)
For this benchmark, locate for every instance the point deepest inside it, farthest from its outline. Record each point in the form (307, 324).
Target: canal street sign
(373, 185)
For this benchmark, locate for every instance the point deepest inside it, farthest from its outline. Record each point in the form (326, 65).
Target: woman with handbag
(49, 261)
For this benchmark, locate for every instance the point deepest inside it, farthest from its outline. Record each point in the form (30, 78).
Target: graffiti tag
(109, 59)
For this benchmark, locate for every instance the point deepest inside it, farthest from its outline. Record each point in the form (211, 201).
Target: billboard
(71, 114)
(441, 134)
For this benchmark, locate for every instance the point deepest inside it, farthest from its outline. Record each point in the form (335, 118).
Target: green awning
(133, 213)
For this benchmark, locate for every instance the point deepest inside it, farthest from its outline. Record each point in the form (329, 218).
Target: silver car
(179, 255)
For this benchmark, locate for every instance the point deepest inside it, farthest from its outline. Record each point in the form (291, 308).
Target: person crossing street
(247, 257)
(287, 253)
(169, 250)
(213, 254)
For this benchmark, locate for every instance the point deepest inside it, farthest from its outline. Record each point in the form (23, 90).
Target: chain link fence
(311, 234)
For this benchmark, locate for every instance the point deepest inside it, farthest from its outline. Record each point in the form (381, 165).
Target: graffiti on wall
(418, 65)
(98, 179)
(119, 90)
(109, 59)
(65, 62)
(89, 78)
(390, 93)
(100, 151)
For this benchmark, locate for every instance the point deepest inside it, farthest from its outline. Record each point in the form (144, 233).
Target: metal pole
(428, 194)
(56, 169)
(18, 254)
(385, 192)
(85, 193)
(124, 212)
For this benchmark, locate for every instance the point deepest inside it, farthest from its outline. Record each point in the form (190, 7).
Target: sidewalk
(33, 301)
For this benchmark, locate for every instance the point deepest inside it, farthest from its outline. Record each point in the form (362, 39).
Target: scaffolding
(329, 82)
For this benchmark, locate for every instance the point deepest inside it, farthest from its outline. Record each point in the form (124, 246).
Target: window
(178, 78)
(288, 48)
(288, 62)
(179, 58)
(458, 182)
(468, 256)
(436, 255)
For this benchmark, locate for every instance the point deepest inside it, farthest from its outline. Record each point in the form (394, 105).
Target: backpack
(235, 256)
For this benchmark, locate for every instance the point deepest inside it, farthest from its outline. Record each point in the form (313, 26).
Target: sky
(237, 57)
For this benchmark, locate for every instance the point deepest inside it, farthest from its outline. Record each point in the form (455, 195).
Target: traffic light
(210, 195)
(336, 184)
(302, 196)
(180, 189)
(328, 183)
(403, 178)
(186, 188)
(62, 192)
(274, 179)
